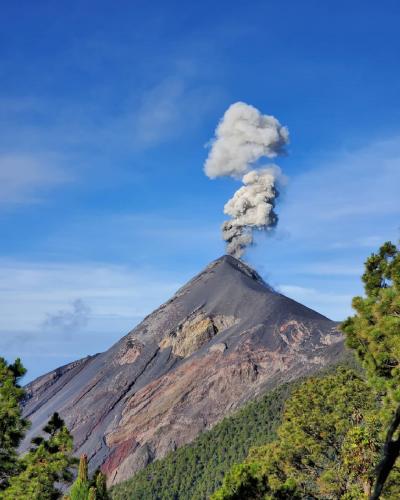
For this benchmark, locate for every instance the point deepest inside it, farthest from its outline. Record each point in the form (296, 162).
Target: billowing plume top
(243, 136)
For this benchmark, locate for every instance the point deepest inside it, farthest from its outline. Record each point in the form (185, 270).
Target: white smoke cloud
(242, 137)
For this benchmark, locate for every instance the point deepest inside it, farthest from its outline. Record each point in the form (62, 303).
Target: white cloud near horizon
(40, 289)
(116, 298)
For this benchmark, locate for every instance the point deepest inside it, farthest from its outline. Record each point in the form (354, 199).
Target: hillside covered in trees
(196, 470)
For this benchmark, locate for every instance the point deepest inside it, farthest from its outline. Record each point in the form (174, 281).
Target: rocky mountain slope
(220, 341)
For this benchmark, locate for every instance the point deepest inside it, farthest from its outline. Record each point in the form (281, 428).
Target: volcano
(224, 338)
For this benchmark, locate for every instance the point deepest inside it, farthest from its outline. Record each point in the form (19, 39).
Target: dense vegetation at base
(328, 446)
(196, 470)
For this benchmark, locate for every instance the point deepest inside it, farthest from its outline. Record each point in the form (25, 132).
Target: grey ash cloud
(69, 320)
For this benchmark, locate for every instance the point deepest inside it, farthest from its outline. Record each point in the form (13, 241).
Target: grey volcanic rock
(221, 340)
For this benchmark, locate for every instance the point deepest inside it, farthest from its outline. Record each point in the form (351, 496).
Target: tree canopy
(196, 470)
(374, 333)
(340, 434)
(38, 474)
(12, 425)
(327, 446)
(45, 466)
(86, 489)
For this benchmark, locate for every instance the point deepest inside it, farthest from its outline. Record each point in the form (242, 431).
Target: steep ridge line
(80, 363)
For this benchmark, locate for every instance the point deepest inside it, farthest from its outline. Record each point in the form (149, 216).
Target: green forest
(196, 470)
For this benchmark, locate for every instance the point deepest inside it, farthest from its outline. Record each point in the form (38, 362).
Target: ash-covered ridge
(221, 340)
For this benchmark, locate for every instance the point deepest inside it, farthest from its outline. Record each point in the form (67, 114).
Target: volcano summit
(221, 340)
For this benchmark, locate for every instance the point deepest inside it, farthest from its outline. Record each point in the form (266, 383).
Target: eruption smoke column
(242, 137)
(251, 207)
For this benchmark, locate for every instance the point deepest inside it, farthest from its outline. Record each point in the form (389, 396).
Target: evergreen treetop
(12, 425)
(374, 333)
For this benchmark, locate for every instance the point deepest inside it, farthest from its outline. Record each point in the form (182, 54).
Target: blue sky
(105, 111)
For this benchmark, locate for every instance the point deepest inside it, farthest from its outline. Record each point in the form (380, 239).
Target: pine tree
(327, 446)
(80, 488)
(85, 489)
(83, 469)
(47, 463)
(101, 487)
(92, 494)
(374, 333)
(12, 425)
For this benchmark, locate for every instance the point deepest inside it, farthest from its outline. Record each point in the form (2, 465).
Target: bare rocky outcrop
(195, 331)
(222, 339)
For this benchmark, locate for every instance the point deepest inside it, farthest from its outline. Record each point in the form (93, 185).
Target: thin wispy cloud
(330, 268)
(43, 289)
(334, 305)
(332, 217)
(372, 241)
(141, 236)
(40, 311)
(349, 204)
(25, 178)
(69, 320)
(352, 187)
(159, 114)
(173, 106)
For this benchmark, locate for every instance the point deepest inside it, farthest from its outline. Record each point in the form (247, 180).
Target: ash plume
(251, 207)
(242, 137)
